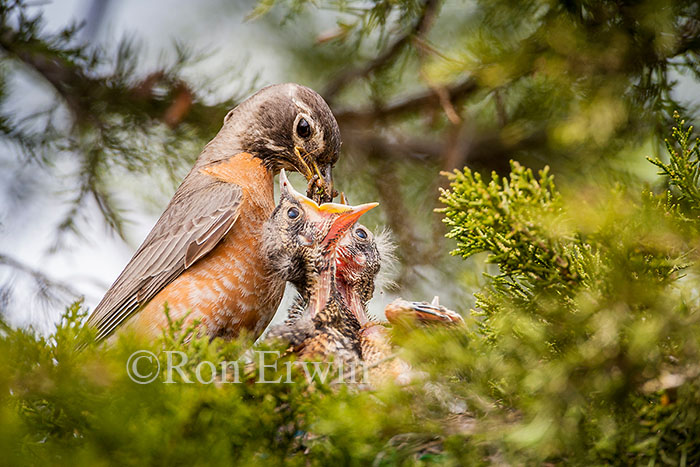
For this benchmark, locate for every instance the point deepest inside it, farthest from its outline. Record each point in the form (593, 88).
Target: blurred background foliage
(582, 339)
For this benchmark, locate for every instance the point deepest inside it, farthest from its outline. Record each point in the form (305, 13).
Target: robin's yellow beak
(305, 168)
(287, 189)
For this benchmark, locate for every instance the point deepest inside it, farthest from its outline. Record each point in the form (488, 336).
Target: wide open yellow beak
(333, 218)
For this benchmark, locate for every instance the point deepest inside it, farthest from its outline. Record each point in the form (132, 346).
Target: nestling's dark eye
(362, 233)
(303, 128)
(293, 213)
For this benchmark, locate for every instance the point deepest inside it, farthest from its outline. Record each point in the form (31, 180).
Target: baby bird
(359, 258)
(333, 264)
(404, 313)
(301, 239)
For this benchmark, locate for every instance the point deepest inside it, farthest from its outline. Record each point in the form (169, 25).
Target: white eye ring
(303, 128)
(309, 126)
(361, 233)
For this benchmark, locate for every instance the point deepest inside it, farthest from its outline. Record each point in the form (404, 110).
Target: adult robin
(204, 255)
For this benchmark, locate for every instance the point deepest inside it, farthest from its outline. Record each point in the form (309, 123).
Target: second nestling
(333, 263)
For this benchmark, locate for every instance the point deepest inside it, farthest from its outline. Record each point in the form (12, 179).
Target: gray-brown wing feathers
(191, 226)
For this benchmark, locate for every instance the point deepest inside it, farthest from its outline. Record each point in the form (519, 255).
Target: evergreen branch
(504, 219)
(385, 59)
(423, 100)
(81, 92)
(44, 282)
(112, 112)
(682, 170)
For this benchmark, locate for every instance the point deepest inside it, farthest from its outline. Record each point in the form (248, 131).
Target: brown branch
(689, 40)
(39, 277)
(423, 100)
(500, 108)
(385, 59)
(399, 149)
(55, 74)
(486, 150)
(411, 250)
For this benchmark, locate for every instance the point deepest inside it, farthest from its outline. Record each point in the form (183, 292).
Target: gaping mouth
(353, 301)
(347, 216)
(403, 312)
(338, 218)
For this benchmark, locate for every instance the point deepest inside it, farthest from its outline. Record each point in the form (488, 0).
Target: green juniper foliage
(582, 350)
(588, 337)
(582, 344)
(498, 217)
(682, 171)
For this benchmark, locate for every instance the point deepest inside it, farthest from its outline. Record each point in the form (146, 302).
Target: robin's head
(290, 127)
(301, 237)
(403, 313)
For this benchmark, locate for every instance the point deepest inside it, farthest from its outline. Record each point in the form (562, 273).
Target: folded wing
(194, 222)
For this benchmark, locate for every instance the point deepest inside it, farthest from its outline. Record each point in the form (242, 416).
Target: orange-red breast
(204, 254)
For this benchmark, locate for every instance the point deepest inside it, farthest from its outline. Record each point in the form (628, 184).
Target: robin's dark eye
(303, 128)
(361, 233)
(293, 213)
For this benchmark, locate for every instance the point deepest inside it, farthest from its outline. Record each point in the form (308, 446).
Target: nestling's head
(301, 237)
(403, 313)
(358, 261)
(360, 256)
(290, 127)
